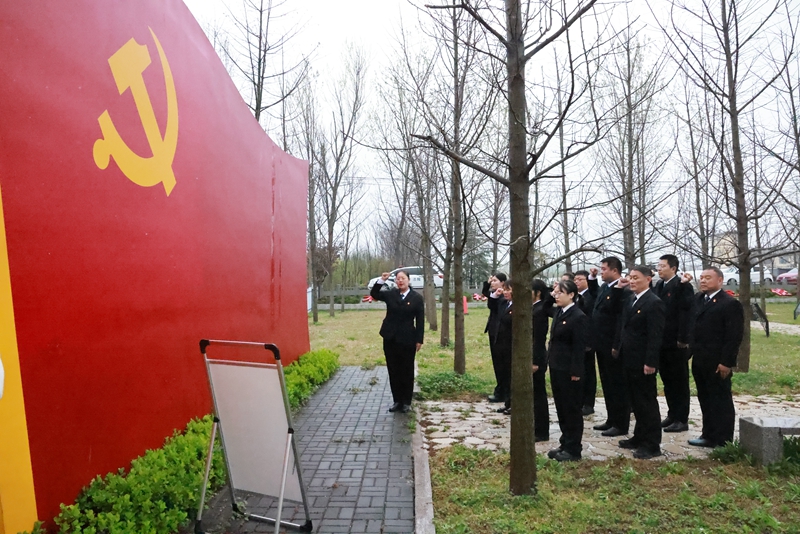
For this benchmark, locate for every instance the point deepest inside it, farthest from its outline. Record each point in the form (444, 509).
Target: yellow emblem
(127, 65)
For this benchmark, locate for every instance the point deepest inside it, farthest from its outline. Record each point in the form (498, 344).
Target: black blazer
(587, 300)
(677, 298)
(541, 312)
(568, 342)
(491, 322)
(405, 319)
(605, 316)
(502, 337)
(641, 331)
(716, 330)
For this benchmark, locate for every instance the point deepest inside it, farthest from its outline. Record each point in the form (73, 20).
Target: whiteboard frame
(289, 451)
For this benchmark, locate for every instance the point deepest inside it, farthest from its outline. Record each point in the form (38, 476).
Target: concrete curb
(423, 494)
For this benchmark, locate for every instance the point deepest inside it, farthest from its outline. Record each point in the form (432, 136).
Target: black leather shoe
(553, 453)
(542, 438)
(564, 456)
(667, 421)
(701, 442)
(677, 426)
(645, 454)
(628, 444)
(604, 426)
(587, 410)
(504, 410)
(613, 432)
(404, 408)
(495, 398)
(395, 407)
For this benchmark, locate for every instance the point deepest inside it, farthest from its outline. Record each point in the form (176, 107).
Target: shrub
(446, 384)
(162, 488)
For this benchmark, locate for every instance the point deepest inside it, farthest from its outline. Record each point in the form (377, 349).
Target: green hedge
(161, 491)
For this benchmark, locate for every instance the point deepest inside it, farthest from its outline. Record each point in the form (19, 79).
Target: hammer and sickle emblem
(127, 65)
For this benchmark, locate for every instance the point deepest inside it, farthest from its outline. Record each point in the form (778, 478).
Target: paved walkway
(356, 459)
(478, 425)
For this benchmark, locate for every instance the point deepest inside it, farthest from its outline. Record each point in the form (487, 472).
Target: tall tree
(720, 45)
(547, 23)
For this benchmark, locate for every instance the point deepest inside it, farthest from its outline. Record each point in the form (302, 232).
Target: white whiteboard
(252, 417)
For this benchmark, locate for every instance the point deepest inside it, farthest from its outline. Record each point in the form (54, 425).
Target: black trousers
(567, 397)
(674, 372)
(496, 367)
(615, 392)
(716, 402)
(400, 365)
(589, 379)
(541, 412)
(503, 372)
(643, 392)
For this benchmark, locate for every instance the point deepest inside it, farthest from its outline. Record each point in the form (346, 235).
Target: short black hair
(644, 269)
(583, 273)
(501, 276)
(569, 275)
(671, 260)
(716, 270)
(539, 286)
(402, 271)
(613, 263)
(568, 286)
(508, 284)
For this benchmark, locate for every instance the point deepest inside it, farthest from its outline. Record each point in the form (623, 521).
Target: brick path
(356, 459)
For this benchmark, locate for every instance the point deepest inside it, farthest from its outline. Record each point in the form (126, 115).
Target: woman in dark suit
(541, 311)
(567, 346)
(402, 331)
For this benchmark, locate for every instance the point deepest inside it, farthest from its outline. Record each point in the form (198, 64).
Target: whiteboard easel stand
(290, 446)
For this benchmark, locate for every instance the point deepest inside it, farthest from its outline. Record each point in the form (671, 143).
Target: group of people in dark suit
(633, 330)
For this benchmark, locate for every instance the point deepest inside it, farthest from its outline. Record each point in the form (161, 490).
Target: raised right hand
(385, 276)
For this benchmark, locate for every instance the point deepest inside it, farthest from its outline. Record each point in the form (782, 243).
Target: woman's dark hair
(501, 276)
(539, 286)
(507, 283)
(568, 286)
(402, 271)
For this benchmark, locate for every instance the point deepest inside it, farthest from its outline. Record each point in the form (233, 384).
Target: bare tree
(723, 53)
(547, 24)
(258, 54)
(334, 154)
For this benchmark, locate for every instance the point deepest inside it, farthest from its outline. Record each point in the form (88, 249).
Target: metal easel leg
(198, 526)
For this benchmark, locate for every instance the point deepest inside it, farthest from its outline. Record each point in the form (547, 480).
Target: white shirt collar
(714, 294)
(667, 281)
(568, 306)
(406, 293)
(640, 294)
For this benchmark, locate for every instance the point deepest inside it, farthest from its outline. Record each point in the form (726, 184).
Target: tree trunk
(522, 478)
(743, 246)
(459, 352)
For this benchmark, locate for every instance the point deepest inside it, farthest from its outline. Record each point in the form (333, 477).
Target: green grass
(774, 365)
(782, 312)
(470, 495)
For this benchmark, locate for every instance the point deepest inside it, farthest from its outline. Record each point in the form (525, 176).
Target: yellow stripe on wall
(17, 498)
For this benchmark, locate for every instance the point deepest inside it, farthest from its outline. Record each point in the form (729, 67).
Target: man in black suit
(638, 345)
(402, 331)
(606, 312)
(586, 304)
(716, 332)
(490, 286)
(676, 292)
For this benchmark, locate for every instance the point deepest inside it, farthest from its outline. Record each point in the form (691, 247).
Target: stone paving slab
(356, 461)
(477, 425)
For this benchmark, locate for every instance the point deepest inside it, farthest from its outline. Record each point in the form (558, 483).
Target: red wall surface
(114, 283)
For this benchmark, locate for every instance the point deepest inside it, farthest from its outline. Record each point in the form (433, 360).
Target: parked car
(789, 277)
(415, 275)
(732, 276)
